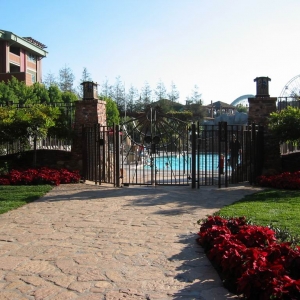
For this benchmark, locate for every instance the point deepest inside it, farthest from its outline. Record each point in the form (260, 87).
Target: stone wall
(260, 109)
(88, 113)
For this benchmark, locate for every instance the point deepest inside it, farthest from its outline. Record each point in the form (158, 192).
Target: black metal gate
(155, 150)
(212, 161)
(158, 149)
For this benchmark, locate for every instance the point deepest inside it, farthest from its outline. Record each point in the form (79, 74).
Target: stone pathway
(92, 242)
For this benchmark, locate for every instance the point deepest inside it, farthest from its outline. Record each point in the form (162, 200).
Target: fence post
(222, 139)
(193, 155)
(117, 152)
(84, 152)
(260, 108)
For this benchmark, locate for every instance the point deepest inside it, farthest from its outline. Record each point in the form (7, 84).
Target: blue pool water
(207, 162)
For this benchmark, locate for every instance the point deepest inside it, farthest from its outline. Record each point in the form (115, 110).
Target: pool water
(184, 162)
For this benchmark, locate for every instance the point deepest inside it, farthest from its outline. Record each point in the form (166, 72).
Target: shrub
(250, 260)
(39, 176)
(284, 180)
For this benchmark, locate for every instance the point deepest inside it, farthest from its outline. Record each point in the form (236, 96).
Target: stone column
(88, 112)
(260, 108)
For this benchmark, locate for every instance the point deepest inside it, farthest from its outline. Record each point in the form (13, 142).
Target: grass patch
(278, 208)
(14, 196)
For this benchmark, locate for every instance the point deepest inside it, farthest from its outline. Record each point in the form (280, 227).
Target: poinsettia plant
(42, 175)
(285, 180)
(250, 260)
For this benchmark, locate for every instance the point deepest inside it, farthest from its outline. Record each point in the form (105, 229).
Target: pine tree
(174, 94)
(66, 80)
(146, 97)
(86, 76)
(160, 92)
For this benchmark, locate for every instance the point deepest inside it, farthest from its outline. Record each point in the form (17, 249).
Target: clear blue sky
(219, 45)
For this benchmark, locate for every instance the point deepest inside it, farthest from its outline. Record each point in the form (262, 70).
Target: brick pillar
(88, 112)
(260, 108)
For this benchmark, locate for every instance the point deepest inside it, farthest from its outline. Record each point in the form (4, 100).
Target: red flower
(284, 180)
(40, 176)
(249, 257)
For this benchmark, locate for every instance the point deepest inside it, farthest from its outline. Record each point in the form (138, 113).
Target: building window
(14, 68)
(31, 57)
(33, 75)
(14, 50)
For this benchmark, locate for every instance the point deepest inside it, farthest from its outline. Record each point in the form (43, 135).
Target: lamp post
(90, 90)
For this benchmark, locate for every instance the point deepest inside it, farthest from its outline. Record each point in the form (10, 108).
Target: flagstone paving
(90, 242)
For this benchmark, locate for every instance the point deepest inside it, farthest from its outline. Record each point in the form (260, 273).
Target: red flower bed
(249, 259)
(39, 176)
(284, 180)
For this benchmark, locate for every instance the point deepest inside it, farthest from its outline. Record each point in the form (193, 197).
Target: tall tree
(139, 104)
(196, 96)
(55, 94)
(146, 95)
(24, 94)
(131, 97)
(68, 97)
(85, 76)
(112, 113)
(119, 94)
(41, 95)
(160, 92)
(66, 79)
(106, 90)
(49, 80)
(6, 94)
(174, 94)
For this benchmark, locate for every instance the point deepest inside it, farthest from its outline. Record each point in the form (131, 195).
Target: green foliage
(32, 121)
(66, 79)
(197, 111)
(40, 93)
(23, 93)
(166, 105)
(55, 94)
(6, 94)
(69, 97)
(16, 92)
(181, 115)
(4, 167)
(112, 112)
(63, 127)
(285, 125)
(241, 108)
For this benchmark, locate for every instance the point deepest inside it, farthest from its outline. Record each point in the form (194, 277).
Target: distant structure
(218, 108)
(291, 88)
(20, 57)
(242, 100)
(223, 112)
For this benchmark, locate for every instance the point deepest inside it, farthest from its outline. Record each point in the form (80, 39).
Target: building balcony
(20, 76)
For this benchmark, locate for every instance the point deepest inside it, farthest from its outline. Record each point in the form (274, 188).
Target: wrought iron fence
(284, 102)
(213, 144)
(50, 143)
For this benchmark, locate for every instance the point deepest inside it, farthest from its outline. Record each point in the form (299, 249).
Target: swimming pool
(184, 162)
